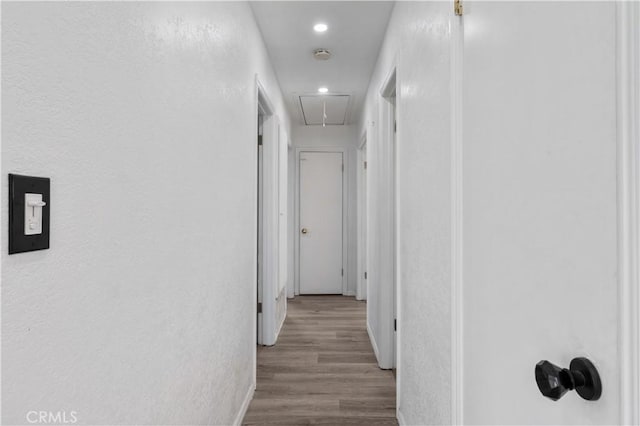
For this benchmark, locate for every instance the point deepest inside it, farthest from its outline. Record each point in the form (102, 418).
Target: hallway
(456, 182)
(323, 369)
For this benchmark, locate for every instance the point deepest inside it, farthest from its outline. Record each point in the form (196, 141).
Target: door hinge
(458, 7)
(365, 275)
(395, 126)
(259, 140)
(365, 164)
(342, 272)
(395, 324)
(343, 167)
(259, 307)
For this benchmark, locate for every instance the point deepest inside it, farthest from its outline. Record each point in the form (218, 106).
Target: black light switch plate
(18, 186)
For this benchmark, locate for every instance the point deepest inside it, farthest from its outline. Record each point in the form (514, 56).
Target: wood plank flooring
(322, 371)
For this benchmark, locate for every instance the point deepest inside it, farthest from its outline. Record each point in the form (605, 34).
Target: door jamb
(361, 244)
(628, 94)
(345, 223)
(388, 233)
(456, 87)
(270, 143)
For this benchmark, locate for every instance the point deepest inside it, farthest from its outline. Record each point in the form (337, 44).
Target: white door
(320, 232)
(539, 221)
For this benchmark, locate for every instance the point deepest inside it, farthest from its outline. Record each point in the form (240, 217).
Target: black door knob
(581, 375)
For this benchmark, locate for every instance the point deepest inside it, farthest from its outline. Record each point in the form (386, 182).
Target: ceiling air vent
(314, 108)
(321, 54)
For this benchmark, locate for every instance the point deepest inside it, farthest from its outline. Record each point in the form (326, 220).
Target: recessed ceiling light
(320, 28)
(323, 90)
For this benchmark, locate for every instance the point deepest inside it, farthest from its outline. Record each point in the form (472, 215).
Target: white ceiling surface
(356, 30)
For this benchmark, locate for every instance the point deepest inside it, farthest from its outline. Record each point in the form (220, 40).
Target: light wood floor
(322, 371)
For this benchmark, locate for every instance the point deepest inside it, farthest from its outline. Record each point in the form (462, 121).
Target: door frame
(291, 245)
(345, 199)
(628, 124)
(456, 87)
(270, 217)
(386, 274)
(362, 218)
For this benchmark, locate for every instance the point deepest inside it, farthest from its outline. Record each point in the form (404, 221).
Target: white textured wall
(346, 137)
(143, 115)
(417, 41)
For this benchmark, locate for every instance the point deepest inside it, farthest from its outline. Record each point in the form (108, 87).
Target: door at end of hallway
(321, 222)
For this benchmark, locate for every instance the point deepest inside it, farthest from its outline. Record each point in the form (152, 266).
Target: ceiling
(355, 33)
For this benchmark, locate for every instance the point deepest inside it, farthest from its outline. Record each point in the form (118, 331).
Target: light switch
(29, 212)
(33, 206)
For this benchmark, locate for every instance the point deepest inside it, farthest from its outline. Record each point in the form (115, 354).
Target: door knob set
(554, 381)
(304, 230)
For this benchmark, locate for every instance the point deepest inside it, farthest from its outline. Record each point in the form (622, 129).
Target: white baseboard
(282, 296)
(373, 343)
(401, 420)
(284, 317)
(245, 405)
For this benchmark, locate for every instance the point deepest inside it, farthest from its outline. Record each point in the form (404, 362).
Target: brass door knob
(304, 230)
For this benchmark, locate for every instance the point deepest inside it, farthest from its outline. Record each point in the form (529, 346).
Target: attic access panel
(312, 107)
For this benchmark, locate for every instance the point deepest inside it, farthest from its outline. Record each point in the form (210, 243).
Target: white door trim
(361, 249)
(386, 231)
(270, 216)
(628, 91)
(345, 223)
(456, 79)
(291, 222)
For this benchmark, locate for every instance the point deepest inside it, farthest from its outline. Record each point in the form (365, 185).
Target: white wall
(336, 136)
(417, 41)
(144, 117)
